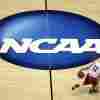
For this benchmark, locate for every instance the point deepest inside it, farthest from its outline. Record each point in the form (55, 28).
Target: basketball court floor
(17, 83)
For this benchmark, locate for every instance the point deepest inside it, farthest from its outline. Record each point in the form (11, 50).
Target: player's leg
(94, 83)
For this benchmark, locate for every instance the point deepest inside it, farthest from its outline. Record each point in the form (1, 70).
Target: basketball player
(90, 76)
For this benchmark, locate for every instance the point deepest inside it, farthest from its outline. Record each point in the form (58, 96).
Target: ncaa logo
(49, 39)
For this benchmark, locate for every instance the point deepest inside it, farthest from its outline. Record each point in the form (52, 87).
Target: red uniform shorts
(90, 80)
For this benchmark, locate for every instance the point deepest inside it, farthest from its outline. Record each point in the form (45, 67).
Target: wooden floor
(17, 83)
